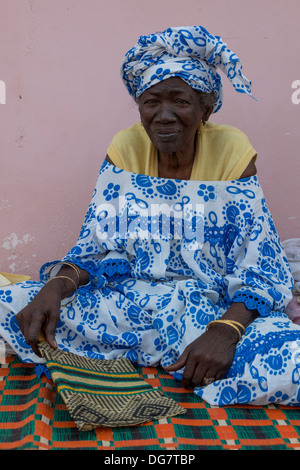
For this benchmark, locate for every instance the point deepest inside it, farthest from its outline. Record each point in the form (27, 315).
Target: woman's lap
(265, 368)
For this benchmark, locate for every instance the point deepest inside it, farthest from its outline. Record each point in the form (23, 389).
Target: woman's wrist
(64, 285)
(225, 331)
(233, 323)
(67, 279)
(240, 313)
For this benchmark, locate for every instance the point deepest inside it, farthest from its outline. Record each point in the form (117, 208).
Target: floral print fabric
(165, 258)
(188, 52)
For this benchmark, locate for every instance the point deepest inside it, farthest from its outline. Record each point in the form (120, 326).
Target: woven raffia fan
(105, 392)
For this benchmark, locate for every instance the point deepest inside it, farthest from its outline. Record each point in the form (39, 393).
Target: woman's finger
(50, 329)
(194, 373)
(32, 335)
(181, 361)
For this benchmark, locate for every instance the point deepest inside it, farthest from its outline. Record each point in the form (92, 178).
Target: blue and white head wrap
(189, 52)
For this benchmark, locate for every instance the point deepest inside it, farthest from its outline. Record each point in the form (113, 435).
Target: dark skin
(211, 354)
(171, 112)
(41, 316)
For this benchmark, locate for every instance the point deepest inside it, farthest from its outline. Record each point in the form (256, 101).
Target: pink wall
(65, 100)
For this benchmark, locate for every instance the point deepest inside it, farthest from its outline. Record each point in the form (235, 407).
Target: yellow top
(222, 152)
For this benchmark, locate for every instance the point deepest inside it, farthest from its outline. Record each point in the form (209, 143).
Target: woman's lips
(166, 134)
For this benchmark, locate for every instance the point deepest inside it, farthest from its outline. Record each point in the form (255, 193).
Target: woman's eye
(151, 101)
(181, 101)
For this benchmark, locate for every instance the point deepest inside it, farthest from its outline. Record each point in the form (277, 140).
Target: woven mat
(34, 416)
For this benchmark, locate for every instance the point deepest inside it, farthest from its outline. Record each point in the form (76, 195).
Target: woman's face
(171, 112)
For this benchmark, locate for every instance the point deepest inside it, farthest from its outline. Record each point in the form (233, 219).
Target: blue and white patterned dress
(165, 258)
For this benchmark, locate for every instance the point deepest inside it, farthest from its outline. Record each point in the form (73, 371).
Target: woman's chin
(167, 147)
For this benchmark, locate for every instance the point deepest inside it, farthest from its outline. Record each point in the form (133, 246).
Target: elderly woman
(178, 262)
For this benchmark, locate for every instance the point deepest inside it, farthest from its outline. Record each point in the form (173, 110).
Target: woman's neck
(175, 165)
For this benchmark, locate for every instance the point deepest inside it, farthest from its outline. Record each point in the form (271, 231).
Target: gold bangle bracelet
(235, 323)
(62, 277)
(68, 264)
(72, 266)
(232, 323)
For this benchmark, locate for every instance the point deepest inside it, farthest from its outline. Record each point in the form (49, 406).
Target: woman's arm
(240, 313)
(250, 170)
(43, 312)
(109, 160)
(67, 286)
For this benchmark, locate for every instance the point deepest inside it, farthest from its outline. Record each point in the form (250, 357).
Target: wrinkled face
(171, 112)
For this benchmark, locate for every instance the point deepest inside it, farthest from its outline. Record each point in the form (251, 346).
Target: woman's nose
(165, 114)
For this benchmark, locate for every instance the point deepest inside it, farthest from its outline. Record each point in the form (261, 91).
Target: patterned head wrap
(188, 52)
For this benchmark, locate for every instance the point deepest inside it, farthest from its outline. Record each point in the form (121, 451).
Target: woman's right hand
(42, 315)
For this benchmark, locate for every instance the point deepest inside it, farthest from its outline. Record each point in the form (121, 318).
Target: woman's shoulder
(225, 141)
(223, 131)
(228, 149)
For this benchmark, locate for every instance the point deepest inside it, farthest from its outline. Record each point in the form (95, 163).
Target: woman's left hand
(208, 357)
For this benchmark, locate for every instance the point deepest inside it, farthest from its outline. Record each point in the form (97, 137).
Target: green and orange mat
(34, 416)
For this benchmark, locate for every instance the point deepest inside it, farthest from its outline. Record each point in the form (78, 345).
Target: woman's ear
(207, 101)
(207, 114)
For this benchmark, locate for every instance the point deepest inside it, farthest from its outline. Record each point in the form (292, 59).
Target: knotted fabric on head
(188, 52)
